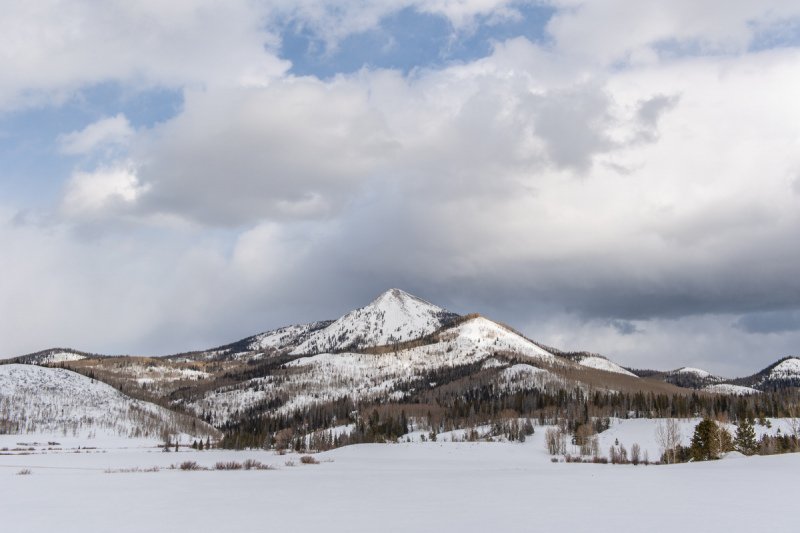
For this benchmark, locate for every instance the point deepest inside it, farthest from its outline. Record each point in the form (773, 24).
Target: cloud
(53, 49)
(295, 149)
(770, 322)
(624, 327)
(105, 191)
(114, 130)
(707, 342)
(601, 32)
(302, 148)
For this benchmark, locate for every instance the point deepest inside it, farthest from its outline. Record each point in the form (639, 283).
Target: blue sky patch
(406, 40)
(28, 138)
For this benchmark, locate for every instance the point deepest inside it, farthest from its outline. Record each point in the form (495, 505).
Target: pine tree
(746, 437)
(706, 441)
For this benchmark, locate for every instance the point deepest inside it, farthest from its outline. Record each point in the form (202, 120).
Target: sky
(618, 177)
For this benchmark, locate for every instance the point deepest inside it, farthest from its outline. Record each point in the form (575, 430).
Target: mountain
(473, 345)
(398, 360)
(55, 401)
(52, 356)
(782, 374)
(394, 316)
(691, 378)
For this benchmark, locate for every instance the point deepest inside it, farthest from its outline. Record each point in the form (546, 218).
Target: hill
(56, 401)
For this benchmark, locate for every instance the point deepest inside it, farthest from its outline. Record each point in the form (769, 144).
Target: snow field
(465, 487)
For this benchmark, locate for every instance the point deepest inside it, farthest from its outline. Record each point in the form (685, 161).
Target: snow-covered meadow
(432, 486)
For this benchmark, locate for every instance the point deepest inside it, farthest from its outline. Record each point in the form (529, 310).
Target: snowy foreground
(442, 486)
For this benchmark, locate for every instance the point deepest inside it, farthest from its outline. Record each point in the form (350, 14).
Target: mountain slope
(596, 361)
(35, 399)
(779, 375)
(394, 316)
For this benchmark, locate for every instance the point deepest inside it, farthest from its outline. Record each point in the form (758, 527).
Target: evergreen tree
(746, 437)
(706, 441)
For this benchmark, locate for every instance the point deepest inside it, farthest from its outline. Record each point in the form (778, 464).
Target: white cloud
(103, 192)
(52, 48)
(114, 130)
(612, 31)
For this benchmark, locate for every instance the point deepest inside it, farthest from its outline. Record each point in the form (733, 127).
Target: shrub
(190, 465)
(228, 465)
(24, 472)
(252, 464)
(308, 460)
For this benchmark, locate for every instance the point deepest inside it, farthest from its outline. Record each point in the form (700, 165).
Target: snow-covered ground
(727, 388)
(284, 337)
(442, 486)
(601, 363)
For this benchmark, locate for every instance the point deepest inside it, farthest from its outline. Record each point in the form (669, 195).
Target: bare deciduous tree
(635, 453)
(556, 441)
(668, 436)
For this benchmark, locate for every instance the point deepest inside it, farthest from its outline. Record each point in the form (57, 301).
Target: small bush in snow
(228, 465)
(252, 464)
(308, 460)
(190, 465)
(24, 472)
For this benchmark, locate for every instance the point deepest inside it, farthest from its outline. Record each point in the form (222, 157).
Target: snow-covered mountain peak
(788, 368)
(693, 371)
(51, 356)
(394, 316)
(399, 304)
